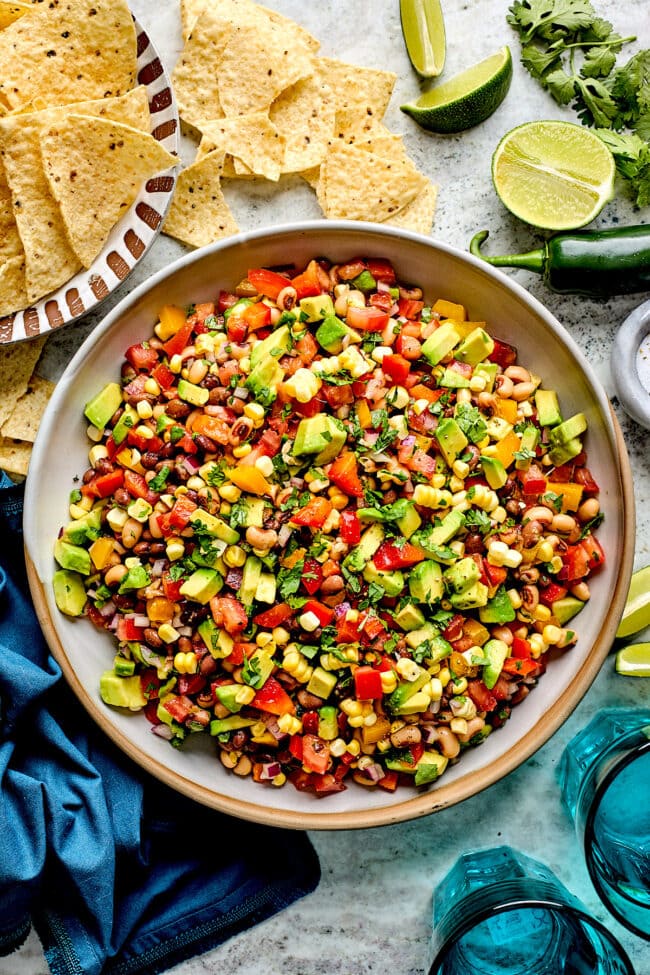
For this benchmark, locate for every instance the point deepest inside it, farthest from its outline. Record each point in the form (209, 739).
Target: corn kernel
(309, 621)
(538, 645)
(353, 747)
(175, 364)
(175, 549)
(303, 385)
(369, 719)
(460, 685)
(264, 464)
(167, 633)
(515, 598)
(456, 484)
(258, 729)
(245, 364)
(499, 514)
(435, 688)
(338, 499)
(545, 551)
(464, 395)
(144, 409)
(244, 695)
(477, 383)
(351, 707)
(280, 636)
(398, 397)
(289, 724)
(94, 434)
(242, 450)
(552, 634)
(234, 556)
(254, 411)
(145, 432)
(356, 721)
(140, 510)
(279, 780)
(152, 387)
(460, 469)
(352, 616)
(431, 497)
(263, 638)
(458, 726)
(97, 453)
(230, 492)
(388, 681)
(337, 748)
(444, 676)
(408, 669)
(542, 613)
(195, 483)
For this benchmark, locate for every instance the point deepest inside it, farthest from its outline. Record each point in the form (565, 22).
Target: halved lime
(634, 660)
(554, 175)
(636, 615)
(467, 98)
(423, 28)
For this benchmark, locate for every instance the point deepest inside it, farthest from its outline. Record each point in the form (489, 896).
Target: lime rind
(423, 29)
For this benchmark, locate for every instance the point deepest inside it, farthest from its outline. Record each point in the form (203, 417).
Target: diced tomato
(481, 696)
(306, 347)
(551, 593)
(181, 513)
(350, 527)
(237, 328)
(367, 319)
(594, 551)
(533, 481)
(417, 460)
(311, 407)
(273, 698)
(111, 447)
(389, 782)
(312, 575)
(150, 711)
(171, 587)
(315, 754)
(408, 346)
(163, 376)
(323, 613)
(367, 684)
(454, 628)
(301, 780)
(178, 706)
(310, 722)
(226, 300)
(257, 315)
(186, 445)
(575, 563)
(137, 486)
(344, 472)
(381, 269)
(266, 282)
(410, 308)
(127, 630)
(372, 626)
(503, 354)
(308, 284)
(396, 367)
(347, 631)
(381, 299)
(229, 613)
(583, 475)
(521, 649)
(273, 617)
(496, 574)
(106, 484)
(314, 514)
(337, 396)
(417, 751)
(190, 683)
(176, 344)
(325, 785)
(389, 556)
(142, 357)
(240, 651)
(295, 746)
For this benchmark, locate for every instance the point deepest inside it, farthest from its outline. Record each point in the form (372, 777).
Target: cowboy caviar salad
(332, 525)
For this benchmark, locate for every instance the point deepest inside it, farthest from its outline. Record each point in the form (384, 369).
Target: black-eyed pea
(523, 391)
(115, 575)
(563, 523)
(581, 591)
(131, 532)
(588, 509)
(243, 767)
(448, 742)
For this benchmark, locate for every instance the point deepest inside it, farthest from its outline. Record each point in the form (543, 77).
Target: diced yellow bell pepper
(363, 414)
(126, 458)
(507, 410)
(172, 319)
(249, 478)
(375, 732)
(571, 494)
(448, 309)
(101, 551)
(505, 449)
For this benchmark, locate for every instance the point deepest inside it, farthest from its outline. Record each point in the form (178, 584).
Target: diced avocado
(569, 429)
(219, 642)
(322, 435)
(321, 683)
(193, 394)
(83, 529)
(251, 511)
(72, 557)
(425, 582)
(121, 692)
(410, 617)
(451, 438)
(499, 609)
(258, 668)
(452, 379)
(101, 408)
(264, 379)
(495, 473)
(448, 527)
(221, 726)
(461, 575)
(250, 579)
(403, 762)
(418, 702)
(564, 452)
(488, 370)
(473, 597)
(202, 585)
(495, 652)
(266, 587)
(430, 767)
(128, 420)
(274, 345)
(69, 592)
(364, 551)
(440, 343)
(315, 308)
(392, 582)
(477, 346)
(137, 577)
(566, 608)
(328, 728)
(331, 333)
(548, 407)
(406, 689)
(237, 308)
(364, 281)
(227, 694)
(215, 526)
(416, 637)
(123, 666)
(409, 522)
(528, 445)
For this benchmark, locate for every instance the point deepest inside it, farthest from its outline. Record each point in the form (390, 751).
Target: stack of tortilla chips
(75, 143)
(24, 396)
(264, 104)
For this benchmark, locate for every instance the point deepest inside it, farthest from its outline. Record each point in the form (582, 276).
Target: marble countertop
(372, 910)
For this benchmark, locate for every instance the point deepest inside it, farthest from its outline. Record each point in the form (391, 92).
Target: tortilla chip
(16, 366)
(199, 213)
(49, 259)
(15, 456)
(305, 114)
(243, 11)
(68, 51)
(24, 421)
(13, 295)
(418, 214)
(10, 245)
(251, 139)
(311, 176)
(382, 187)
(10, 12)
(95, 168)
(361, 93)
(197, 92)
(256, 67)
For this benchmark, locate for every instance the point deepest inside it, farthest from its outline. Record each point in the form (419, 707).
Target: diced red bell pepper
(142, 443)
(178, 706)
(136, 485)
(295, 746)
(240, 651)
(163, 376)
(273, 698)
(575, 563)
(481, 696)
(310, 722)
(312, 575)
(323, 613)
(176, 344)
(551, 593)
(309, 283)
(367, 684)
(519, 666)
(181, 513)
(350, 527)
(150, 711)
(503, 354)
(583, 475)
(389, 556)
(325, 785)
(171, 587)
(273, 617)
(521, 649)
(344, 472)
(315, 754)
(594, 551)
(389, 782)
(496, 574)
(533, 481)
(501, 690)
(237, 329)
(314, 514)
(338, 396)
(229, 613)
(186, 445)
(257, 315)
(347, 631)
(266, 282)
(190, 683)
(454, 628)
(301, 780)
(396, 367)
(311, 408)
(127, 630)
(106, 484)
(142, 357)
(409, 308)
(367, 319)
(381, 269)
(226, 300)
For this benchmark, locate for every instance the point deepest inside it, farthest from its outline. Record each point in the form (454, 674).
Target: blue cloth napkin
(117, 873)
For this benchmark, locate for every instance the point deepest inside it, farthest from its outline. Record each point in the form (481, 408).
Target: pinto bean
(122, 497)
(308, 701)
(150, 460)
(131, 532)
(177, 410)
(333, 584)
(152, 638)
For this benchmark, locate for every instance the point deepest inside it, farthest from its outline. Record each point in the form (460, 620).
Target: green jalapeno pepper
(597, 263)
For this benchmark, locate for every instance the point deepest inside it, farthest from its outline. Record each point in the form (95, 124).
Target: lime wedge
(636, 615)
(467, 98)
(423, 28)
(553, 175)
(634, 660)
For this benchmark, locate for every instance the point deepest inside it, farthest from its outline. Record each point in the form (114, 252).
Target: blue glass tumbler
(500, 911)
(604, 775)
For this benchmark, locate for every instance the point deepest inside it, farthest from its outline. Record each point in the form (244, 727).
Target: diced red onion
(341, 610)
(91, 593)
(240, 392)
(284, 535)
(184, 631)
(429, 734)
(158, 568)
(383, 286)
(380, 458)
(114, 622)
(270, 770)
(234, 578)
(141, 621)
(272, 725)
(408, 441)
(149, 656)
(176, 622)
(191, 465)
(371, 437)
(297, 482)
(162, 730)
(108, 608)
(374, 772)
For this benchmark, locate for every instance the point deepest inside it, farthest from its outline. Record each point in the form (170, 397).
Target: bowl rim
(444, 795)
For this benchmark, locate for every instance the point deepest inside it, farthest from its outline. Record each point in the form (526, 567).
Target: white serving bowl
(513, 315)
